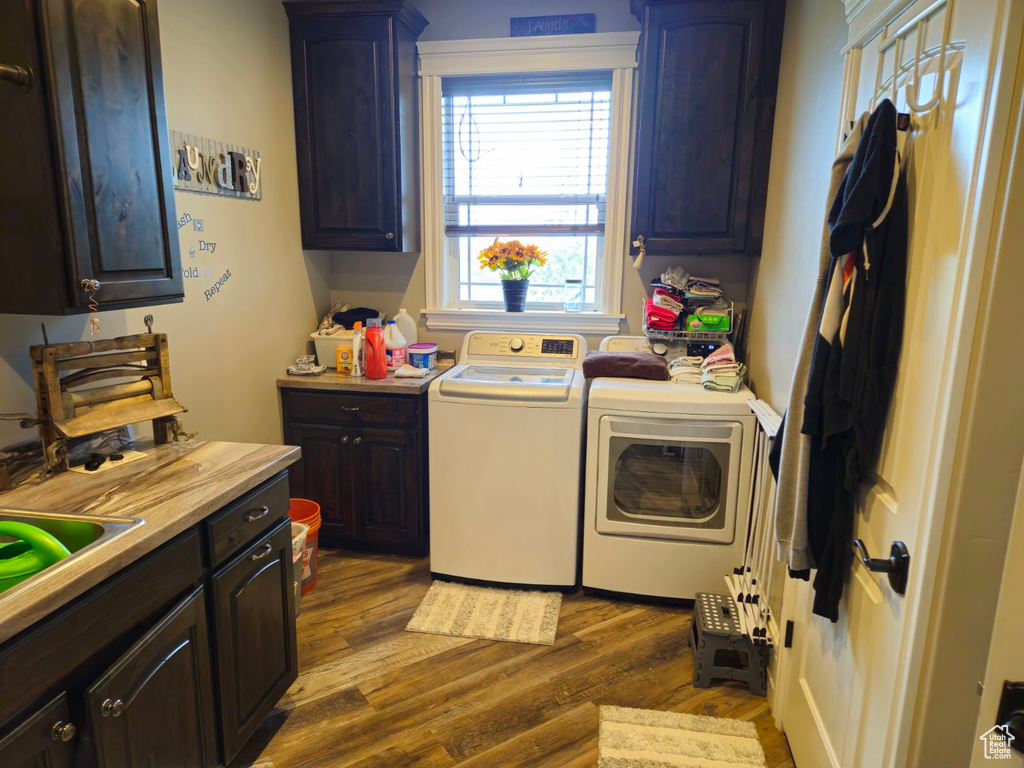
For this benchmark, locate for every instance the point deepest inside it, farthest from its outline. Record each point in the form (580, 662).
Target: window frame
(613, 52)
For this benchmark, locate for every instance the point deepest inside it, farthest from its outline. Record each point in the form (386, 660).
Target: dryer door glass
(674, 479)
(673, 483)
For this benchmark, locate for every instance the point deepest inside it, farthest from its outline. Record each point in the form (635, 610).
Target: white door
(1005, 660)
(850, 699)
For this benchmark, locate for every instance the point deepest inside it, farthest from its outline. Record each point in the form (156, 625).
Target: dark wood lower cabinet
(257, 657)
(45, 739)
(364, 461)
(143, 669)
(155, 705)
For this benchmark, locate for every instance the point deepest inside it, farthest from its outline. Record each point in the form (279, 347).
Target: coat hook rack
(911, 72)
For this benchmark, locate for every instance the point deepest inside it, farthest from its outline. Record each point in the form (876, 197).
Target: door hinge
(789, 635)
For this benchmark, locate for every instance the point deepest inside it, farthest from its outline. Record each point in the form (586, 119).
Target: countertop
(334, 382)
(174, 487)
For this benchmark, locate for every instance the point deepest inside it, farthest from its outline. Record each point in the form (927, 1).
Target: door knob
(62, 731)
(897, 566)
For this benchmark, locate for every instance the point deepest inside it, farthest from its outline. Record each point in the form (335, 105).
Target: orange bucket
(308, 512)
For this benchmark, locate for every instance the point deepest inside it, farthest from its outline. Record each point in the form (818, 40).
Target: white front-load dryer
(668, 478)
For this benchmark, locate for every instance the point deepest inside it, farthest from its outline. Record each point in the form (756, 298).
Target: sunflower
(513, 259)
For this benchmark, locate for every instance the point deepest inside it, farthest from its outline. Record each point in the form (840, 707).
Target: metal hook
(914, 91)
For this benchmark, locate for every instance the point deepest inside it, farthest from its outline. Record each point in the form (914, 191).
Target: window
(525, 138)
(526, 157)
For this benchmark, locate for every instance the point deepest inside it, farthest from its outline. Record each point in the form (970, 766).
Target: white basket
(299, 532)
(327, 346)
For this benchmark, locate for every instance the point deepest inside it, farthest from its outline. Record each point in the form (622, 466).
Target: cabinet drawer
(245, 519)
(352, 410)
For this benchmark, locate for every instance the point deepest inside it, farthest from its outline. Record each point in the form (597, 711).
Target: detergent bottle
(376, 353)
(357, 349)
(406, 325)
(394, 346)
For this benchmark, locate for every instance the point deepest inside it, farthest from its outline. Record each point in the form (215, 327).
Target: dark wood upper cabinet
(155, 705)
(354, 85)
(705, 109)
(85, 176)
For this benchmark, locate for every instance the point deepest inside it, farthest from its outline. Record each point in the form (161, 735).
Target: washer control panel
(522, 345)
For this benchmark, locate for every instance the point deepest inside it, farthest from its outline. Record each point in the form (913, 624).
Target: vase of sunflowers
(514, 263)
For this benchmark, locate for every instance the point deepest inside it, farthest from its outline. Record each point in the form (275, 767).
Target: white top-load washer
(667, 485)
(506, 435)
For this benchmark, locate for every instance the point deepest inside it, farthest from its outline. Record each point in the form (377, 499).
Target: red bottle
(376, 355)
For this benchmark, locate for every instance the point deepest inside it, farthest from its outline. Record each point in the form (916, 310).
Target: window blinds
(526, 154)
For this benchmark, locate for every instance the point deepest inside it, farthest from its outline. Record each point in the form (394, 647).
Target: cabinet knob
(62, 731)
(357, 441)
(89, 285)
(112, 708)
(344, 440)
(389, 235)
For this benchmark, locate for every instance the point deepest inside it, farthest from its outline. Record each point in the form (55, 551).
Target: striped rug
(488, 613)
(643, 738)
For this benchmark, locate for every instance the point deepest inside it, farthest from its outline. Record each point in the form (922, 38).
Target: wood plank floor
(371, 694)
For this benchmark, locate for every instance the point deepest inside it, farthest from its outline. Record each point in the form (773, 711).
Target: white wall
(803, 145)
(225, 353)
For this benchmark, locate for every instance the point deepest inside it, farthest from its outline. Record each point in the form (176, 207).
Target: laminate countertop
(173, 488)
(332, 381)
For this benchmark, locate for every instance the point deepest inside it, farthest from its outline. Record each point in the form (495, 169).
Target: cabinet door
(44, 740)
(343, 82)
(108, 105)
(155, 705)
(705, 110)
(324, 475)
(254, 619)
(388, 475)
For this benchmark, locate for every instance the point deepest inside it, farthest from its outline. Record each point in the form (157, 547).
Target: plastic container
(343, 354)
(394, 346)
(423, 355)
(358, 347)
(299, 533)
(33, 550)
(406, 325)
(326, 346)
(376, 354)
(308, 513)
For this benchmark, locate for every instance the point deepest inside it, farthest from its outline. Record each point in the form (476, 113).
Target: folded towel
(658, 283)
(676, 277)
(666, 300)
(660, 317)
(409, 372)
(723, 382)
(686, 370)
(723, 369)
(625, 365)
(724, 354)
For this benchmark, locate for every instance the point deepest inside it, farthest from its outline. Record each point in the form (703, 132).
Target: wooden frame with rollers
(69, 409)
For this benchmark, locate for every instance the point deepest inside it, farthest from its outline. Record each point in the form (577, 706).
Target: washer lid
(507, 382)
(668, 397)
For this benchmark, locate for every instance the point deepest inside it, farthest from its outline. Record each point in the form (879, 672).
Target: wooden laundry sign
(215, 167)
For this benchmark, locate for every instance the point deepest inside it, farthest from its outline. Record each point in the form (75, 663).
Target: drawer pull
(267, 549)
(350, 408)
(62, 731)
(254, 516)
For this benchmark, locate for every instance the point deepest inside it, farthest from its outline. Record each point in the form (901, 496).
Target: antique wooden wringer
(71, 405)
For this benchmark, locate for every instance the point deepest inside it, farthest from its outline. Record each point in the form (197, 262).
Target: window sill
(587, 323)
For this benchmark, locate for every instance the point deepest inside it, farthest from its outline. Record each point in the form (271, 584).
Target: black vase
(515, 294)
